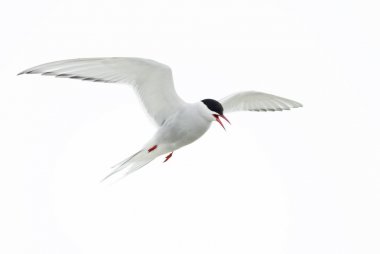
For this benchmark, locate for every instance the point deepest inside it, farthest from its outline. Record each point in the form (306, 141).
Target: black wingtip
(26, 72)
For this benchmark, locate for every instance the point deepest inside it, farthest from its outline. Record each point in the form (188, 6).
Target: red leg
(168, 157)
(152, 148)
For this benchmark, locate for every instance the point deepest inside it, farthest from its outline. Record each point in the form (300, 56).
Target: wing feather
(257, 101)
(152, 81)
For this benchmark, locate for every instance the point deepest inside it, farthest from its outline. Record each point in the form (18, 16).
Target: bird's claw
(168, 157)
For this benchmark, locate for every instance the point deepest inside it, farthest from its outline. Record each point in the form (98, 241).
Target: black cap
(213, 105)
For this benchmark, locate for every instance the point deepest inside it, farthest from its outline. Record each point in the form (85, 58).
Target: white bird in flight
(179, 123)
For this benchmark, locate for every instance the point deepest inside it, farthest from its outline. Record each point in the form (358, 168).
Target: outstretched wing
(257, 101)
(152, 81)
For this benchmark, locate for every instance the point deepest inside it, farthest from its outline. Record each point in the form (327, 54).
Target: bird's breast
(183, 129)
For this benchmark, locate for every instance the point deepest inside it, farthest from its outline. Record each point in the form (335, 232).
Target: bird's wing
(257, 101)
(152, 81)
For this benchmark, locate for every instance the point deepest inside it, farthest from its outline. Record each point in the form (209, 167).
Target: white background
(303, 181)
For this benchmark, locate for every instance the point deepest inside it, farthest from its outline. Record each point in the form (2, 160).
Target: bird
(179, 123)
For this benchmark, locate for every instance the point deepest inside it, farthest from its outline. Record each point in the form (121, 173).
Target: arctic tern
(179, 123)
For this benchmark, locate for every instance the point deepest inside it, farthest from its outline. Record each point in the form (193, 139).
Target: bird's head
(216, 110)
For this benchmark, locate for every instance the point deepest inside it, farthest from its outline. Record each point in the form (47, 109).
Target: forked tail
(132, 163)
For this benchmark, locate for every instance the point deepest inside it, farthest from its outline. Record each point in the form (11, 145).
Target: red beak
(220, 122)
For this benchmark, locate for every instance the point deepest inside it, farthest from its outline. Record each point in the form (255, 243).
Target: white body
(184, 127)
(179, 123)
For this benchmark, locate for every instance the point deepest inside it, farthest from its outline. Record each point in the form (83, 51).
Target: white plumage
(257, 101)
(179, 123)
(152, 81)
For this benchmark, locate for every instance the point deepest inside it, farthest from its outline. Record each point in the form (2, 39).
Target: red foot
(152, 148)
(168, 157)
